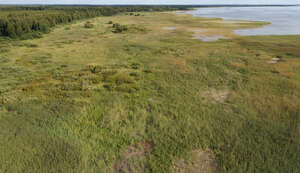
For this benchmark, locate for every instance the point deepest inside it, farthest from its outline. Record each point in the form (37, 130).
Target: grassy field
(150, 99)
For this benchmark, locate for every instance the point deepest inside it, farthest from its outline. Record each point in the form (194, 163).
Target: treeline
(25, 21)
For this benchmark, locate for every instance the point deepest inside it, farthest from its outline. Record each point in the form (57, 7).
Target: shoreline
(227, 21)
(267, 26)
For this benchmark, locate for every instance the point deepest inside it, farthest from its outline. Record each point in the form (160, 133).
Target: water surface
(284, 20)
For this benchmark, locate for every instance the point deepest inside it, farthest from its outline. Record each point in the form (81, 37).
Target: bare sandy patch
(207, 35)
(216, 96)
(178, 61)
(200, 162)
(209, 38)
(274, 60)
(234, 21)
(198, 30)
(170, 28)
(132, 159)
(230, 21)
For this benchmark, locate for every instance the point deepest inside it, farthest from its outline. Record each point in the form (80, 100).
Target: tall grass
(143, 99)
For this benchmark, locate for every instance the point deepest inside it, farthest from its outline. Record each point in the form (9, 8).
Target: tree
(19, 30)
(11, 31)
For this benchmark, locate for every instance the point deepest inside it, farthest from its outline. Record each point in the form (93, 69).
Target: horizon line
(150, 4)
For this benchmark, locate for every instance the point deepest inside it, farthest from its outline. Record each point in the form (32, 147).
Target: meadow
(138, 93)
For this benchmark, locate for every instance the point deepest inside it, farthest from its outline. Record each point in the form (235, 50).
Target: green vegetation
(119, 28)
(89, 100)
(22, 21)
(88, 25)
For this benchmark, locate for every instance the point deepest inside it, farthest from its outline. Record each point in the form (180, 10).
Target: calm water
(285, 20)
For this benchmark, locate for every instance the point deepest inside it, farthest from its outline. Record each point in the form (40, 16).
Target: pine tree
(11, 32)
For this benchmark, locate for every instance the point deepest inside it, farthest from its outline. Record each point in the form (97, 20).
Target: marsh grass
(31, 45)
(4, 50)
(83, 100)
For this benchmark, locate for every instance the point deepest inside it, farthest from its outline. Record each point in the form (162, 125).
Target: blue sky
(149, 1)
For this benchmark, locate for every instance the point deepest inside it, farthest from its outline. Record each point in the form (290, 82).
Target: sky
(150, 2)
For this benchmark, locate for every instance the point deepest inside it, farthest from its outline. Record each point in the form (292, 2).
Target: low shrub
(118, 28)
(95, 68)
(31, 45)
(88, 25)
(64, 65)
(4, 50)
(109, 87)
(147, 71)
(135, 66)
(134, 74)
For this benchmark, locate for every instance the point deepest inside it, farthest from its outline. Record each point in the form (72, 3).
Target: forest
(31, 21)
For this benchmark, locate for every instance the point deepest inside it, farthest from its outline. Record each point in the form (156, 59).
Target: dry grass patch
(178, 62)
(216, 96)
(200, 162)
(133, 158)
(211, 34)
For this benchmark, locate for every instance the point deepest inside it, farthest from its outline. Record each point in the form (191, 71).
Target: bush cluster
(88, 25)
(118, 28)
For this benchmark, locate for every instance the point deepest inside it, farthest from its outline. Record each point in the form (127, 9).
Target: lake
(284, 20)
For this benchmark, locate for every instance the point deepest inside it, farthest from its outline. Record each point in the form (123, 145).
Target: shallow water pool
(284, 20)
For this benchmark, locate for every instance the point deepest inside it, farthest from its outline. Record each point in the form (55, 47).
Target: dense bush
(118, 28)
(88, 25)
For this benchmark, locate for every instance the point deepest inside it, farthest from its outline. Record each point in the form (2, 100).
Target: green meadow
(138, 93)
